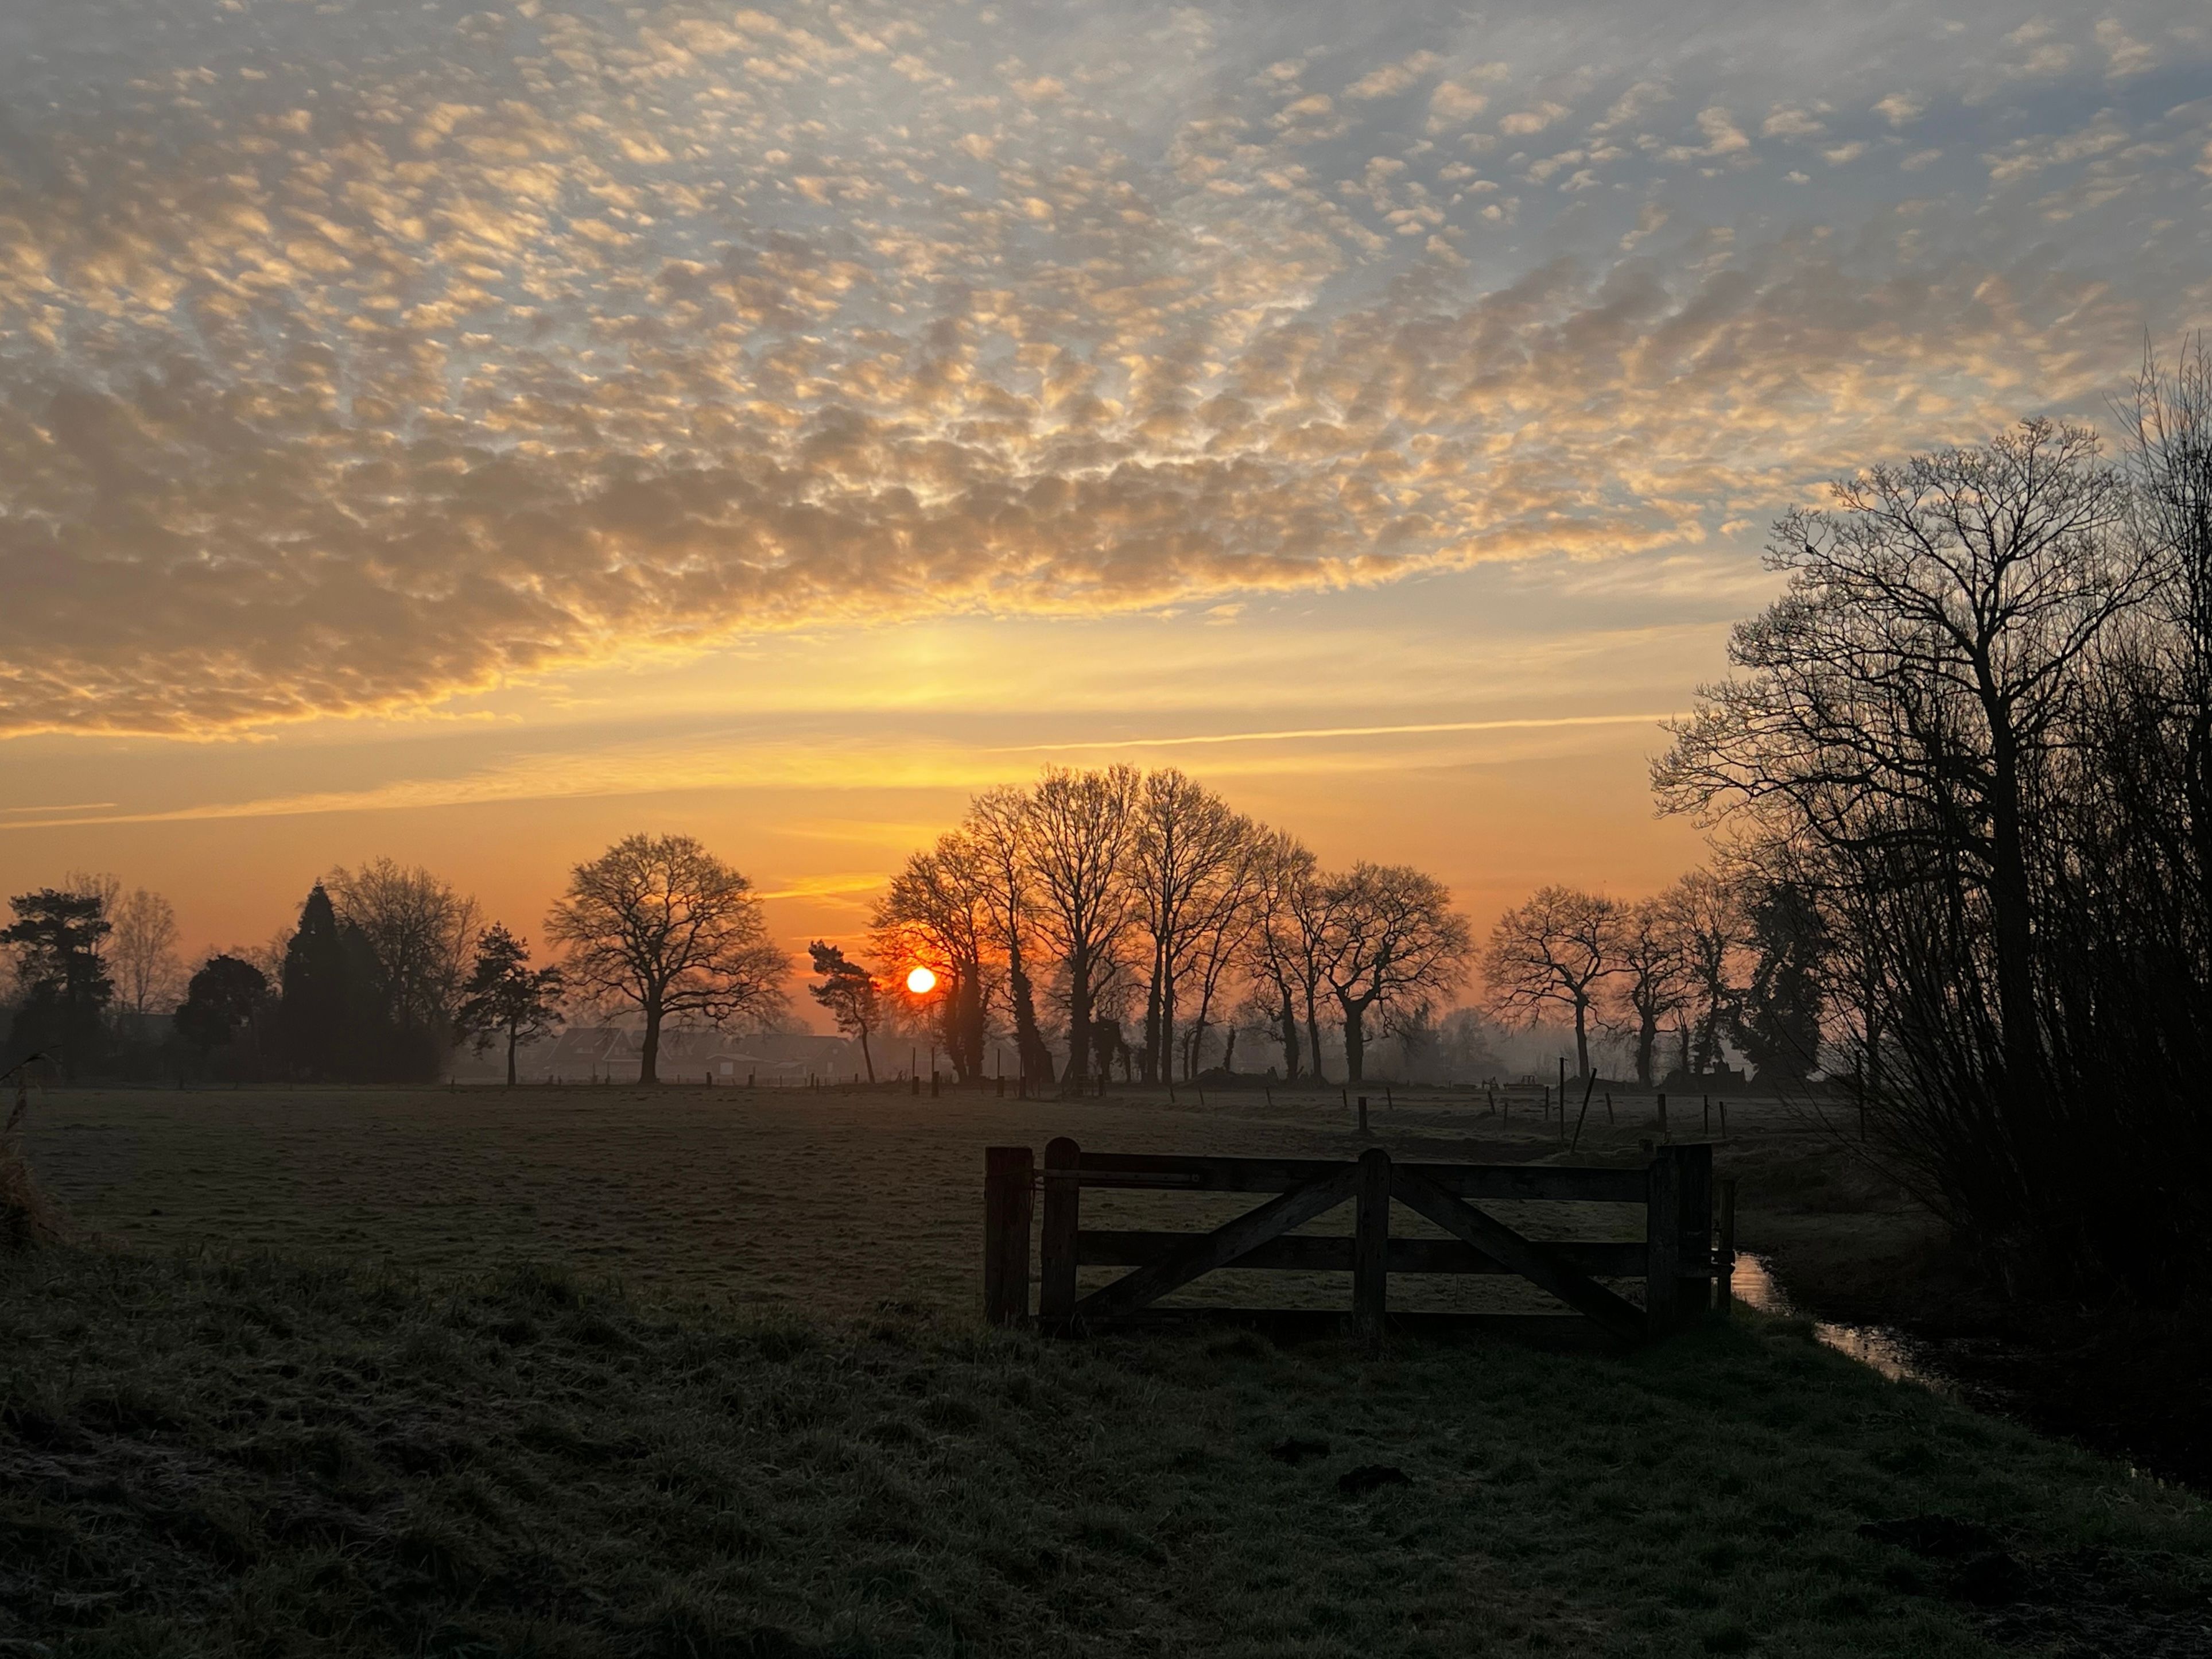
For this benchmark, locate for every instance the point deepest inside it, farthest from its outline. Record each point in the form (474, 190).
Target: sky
(472, 432)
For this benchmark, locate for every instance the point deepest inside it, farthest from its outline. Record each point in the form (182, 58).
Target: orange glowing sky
(470, 433)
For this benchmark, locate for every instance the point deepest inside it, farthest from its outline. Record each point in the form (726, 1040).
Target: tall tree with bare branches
(659, 923)
(1000, 826)
(1393, 940)
(1082, 827)
(1556, 951)
(1187, 853)
(1274, 958)
(937, 913)
(141, 952)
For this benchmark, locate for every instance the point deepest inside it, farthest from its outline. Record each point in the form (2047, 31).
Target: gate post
(1370, 1246)
(1006, 1209)
(1063, 1202)
(1663, 1242)
(1696, 1297)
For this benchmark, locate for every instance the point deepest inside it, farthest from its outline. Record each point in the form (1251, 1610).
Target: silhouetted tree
(659, 923)
(1079, 831)
(1777, 1021)
(57, 938)
(999, 828)
(1187, 858)
(1654, 977)
(1556, 948)
(331, 1022)
(937, 915)
(141, 952)
(506, 997)
(848, 991)
(1392, 939)
(419, 931)
(224, 1007)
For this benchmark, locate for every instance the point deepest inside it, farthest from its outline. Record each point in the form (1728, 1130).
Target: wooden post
(1726, 1261)
(1662, 1244)
(1063, 1200)
(1662, 1111)
(1695, 1299)
(1706, 1126)
(1724, 1117)
(1006, 1209)
(1362, 1114)
(1371, 1246)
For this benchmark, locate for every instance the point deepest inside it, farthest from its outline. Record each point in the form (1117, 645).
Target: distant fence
(1684, 1262)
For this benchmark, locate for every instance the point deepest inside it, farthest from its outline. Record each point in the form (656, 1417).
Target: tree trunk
(510, 1056)
(1313, 1037)
(1355, 1042)
(2009, 900)
(1228, 1053)
(1582, 1039)
(649, 1055)
(867, 1059)
(1034, 1058)
(1290, 1040)
(1155, 1043)
(1079, 1024)
(1646, 1040)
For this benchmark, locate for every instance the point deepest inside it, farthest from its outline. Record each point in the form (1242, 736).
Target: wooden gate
(1683, 1269)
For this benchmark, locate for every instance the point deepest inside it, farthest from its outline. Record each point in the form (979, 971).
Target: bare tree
(1911, 680)
(1190, 849)
(1392, 939)
(1706, 916)
(1556, 948)
(422, 933)
(1082, 826)
(660, 924)
(1275, 957)
(1000, 828)
(938, 913)
(1218, 930)
(141, 952)
(1655, 978)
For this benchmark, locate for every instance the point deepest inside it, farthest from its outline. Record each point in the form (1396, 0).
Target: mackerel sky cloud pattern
(358, 355)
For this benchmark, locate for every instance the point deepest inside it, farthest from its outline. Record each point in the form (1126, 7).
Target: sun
(922, 981)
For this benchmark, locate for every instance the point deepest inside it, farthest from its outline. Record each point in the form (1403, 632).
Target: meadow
(570, 1372)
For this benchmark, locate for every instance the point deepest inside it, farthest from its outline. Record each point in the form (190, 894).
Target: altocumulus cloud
(356, 356)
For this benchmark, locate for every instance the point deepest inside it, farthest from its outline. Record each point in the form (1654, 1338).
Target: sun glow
(922, 981)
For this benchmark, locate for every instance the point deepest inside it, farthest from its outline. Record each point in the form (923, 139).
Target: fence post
(1663, 1242)
(1063, 1200)
(1371, 1246)
(1007, 1207)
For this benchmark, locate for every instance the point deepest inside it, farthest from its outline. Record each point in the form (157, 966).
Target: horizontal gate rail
(1676, 1259)
(1326, 1253)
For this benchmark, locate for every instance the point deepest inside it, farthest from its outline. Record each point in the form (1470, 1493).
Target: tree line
(1131, 919)
(1970, 745)
(386, 969)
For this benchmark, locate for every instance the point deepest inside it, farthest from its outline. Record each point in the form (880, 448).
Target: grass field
(831, 1201)
(354, 1382)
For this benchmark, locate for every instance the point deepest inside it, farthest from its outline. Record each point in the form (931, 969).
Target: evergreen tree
(504, 997)
(320, 1017)
(57, 938)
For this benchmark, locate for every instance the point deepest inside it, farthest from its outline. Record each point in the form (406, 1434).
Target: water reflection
(1897, 1357)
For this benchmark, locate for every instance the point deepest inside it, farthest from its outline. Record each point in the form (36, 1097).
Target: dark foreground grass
(271, 1458)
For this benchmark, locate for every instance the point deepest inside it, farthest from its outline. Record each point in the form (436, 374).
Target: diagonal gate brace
(1220, 1248)
(1616, 1314)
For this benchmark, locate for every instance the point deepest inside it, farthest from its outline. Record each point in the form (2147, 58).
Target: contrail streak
(1336, 731)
